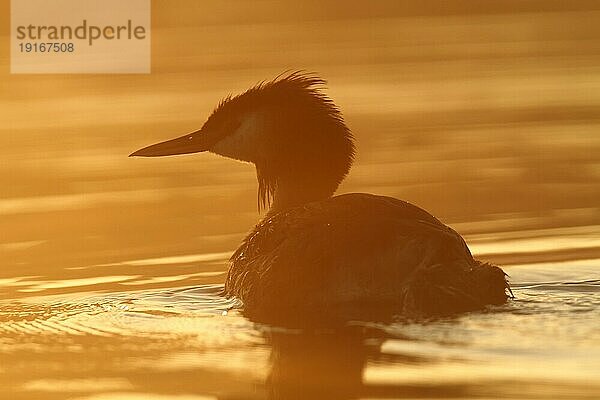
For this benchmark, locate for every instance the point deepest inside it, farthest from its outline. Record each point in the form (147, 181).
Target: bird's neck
(293, 193)
(305, 167)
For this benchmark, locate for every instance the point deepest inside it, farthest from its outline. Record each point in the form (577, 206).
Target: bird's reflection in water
(325, 357)
(318, 365)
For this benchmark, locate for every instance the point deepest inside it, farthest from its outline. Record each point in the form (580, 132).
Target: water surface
(487, 116)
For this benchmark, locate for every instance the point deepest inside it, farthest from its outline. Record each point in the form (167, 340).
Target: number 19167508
(47, 47)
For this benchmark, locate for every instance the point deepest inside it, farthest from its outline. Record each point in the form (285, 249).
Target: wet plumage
(317, 253)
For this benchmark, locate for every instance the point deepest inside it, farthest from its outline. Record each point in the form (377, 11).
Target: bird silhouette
(315, 253)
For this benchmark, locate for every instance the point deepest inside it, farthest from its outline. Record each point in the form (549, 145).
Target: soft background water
(487, 114)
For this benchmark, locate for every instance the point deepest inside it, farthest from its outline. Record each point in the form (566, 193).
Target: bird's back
(359, 248)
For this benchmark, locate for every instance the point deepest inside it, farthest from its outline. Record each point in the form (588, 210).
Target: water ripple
(125, 313)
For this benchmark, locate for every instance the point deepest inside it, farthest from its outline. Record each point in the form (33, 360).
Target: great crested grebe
(314, 252)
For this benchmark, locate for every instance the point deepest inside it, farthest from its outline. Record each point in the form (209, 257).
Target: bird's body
(314, 252)
(359, 249)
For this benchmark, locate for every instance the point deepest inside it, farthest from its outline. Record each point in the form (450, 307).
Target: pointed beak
(194, 142)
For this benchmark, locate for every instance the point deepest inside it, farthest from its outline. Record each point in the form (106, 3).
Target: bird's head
(288, 128)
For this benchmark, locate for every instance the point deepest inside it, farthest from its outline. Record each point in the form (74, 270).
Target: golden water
(487, 116)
